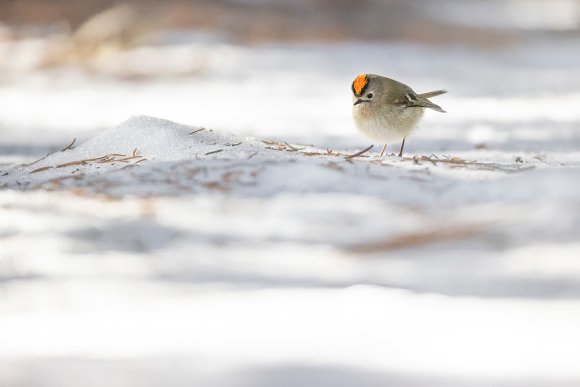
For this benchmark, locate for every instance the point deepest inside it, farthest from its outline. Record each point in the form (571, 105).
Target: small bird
(387, 110)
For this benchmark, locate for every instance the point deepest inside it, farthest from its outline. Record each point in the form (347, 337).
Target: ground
(244, 246)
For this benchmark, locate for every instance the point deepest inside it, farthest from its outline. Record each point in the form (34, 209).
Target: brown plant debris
(418, 238)
(107, 159)
(452, 162)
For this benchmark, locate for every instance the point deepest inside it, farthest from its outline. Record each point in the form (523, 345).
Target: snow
(243, 247)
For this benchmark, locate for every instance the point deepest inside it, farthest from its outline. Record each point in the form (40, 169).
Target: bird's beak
(359, 101)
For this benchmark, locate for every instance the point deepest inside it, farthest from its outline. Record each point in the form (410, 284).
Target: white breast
(387, 125)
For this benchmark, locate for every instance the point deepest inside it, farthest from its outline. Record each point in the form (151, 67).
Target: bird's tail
(428, 104)
(432, 94)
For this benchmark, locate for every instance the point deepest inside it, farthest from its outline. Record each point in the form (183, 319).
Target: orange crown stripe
(360, 83)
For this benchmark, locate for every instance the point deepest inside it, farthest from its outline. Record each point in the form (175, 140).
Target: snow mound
(155, 139)
(139, 141)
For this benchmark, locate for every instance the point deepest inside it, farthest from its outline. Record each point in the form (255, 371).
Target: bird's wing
(411, 99)
(406, 97)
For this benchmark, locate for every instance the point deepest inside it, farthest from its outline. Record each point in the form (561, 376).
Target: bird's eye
(370, 95)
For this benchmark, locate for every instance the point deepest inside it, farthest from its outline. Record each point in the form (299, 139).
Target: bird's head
(364, 89)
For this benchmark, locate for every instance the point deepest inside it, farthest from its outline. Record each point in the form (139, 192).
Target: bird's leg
(402, 146)
(383, 151)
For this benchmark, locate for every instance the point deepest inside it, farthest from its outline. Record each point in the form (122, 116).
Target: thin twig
(215, 151)
(42, 169)
(104, 160)
(37, 161)
(69, 146)
(292, 147)
(359, 153)
(195, 131)
(129, 158)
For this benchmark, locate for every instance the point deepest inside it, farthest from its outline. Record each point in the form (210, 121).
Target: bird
(386, 110)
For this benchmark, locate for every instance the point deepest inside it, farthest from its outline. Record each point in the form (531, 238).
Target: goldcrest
(386, 110)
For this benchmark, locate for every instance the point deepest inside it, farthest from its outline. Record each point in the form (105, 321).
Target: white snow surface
(253, 252)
